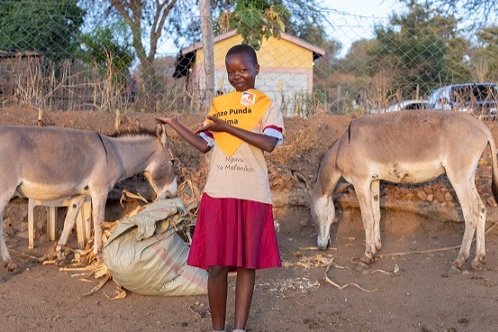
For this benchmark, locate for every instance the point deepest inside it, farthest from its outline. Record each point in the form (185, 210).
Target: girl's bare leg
(217, 295)
(243, 296)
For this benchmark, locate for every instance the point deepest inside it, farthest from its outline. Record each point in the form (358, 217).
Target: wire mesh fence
(69, 54)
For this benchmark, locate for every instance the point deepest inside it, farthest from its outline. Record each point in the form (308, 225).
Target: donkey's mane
(137, 131)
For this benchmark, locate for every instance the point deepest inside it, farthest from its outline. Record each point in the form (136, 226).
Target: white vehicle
(404, 105)
(480, 99)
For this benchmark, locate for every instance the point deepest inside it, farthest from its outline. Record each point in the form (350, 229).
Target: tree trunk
(133, 13)
(208, 42)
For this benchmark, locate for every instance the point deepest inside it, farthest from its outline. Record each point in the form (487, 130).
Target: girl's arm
(264, 142)
(195, 140)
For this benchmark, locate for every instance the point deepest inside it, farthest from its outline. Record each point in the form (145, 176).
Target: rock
(23, 234)
(428, 189)
(422, 195)
(403, 191)
(23, 226)
(10, 231)
(486, 189)
(439, 196)
(409, 196)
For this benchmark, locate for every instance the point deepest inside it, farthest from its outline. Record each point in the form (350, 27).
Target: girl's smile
(241, 71)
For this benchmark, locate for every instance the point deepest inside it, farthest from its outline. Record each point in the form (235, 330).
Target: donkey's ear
(161, 134)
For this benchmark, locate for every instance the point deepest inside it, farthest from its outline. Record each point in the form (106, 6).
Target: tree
(481, 11)
(146, 22)
(420, 49)
(103, 49)
(137, 14)
(484, 60)
(49, 27)
(255, 20)
(112, 57)
(307, 21)
(358, 60)
(208, 42)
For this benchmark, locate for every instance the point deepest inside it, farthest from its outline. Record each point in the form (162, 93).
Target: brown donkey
(406, 147)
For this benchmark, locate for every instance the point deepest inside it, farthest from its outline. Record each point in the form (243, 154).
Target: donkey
(406, 147)
(49, 163)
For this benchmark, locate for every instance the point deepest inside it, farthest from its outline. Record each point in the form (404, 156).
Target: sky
(348, 21)
(353, 20)
(379, 8)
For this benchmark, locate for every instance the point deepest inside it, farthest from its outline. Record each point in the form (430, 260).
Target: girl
(234, 230)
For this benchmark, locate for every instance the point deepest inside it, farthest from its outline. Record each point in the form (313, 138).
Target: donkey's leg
(98, 214)
(472, 206)
(367, 216)
(69, 222)
(480, 231)
(4, 251)
(375, 195)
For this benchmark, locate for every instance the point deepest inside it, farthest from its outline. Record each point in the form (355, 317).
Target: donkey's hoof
(12, 267)
(454, 270)
(378, 246)
(458, 263)
(50, 254)
(62, 261)
(368, 258)
(477, 264)
(61, 253)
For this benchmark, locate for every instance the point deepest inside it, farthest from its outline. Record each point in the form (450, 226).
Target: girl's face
(241, 71)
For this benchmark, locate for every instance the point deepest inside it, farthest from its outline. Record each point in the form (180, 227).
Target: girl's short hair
(243, 49)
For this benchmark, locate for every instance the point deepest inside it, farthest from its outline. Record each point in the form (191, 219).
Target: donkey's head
(323, 215)
(160, 173)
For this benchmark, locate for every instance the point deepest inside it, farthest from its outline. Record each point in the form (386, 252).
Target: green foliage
(480, 12)
(255, 20)
(259, 19)
(484, 59)
(308, 21)
(421, 50)
(358, 60)
(102, 48)
(49, 27)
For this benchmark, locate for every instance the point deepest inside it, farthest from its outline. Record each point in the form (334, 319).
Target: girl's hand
(214, 124)
(166, 120)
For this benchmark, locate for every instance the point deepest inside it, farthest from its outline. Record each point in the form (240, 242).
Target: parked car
(404, 105)
(480, 99)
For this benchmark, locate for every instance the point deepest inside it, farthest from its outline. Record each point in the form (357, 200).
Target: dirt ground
(409, 288)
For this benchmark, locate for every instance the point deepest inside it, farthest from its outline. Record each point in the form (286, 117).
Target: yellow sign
(240, 109)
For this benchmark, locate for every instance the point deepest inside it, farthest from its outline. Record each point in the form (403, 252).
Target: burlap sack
(145, 255)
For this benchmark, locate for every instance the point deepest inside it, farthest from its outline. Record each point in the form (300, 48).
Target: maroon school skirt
(235, 233)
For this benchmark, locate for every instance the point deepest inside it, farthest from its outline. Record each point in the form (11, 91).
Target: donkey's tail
(494, 165)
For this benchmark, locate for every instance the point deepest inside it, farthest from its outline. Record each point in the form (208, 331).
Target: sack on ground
(145, 255)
